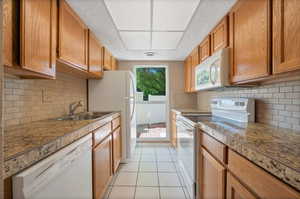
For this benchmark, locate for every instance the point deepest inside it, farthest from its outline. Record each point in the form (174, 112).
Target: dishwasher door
(186, 155)
(67, 174)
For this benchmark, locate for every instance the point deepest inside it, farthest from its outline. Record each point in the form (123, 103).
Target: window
(151, 81)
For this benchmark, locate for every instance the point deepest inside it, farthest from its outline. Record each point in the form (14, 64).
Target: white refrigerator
(116, 92)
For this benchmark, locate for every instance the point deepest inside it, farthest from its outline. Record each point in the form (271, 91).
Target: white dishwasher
(67, 174)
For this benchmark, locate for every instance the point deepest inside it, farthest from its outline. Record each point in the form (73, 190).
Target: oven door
(186, 155)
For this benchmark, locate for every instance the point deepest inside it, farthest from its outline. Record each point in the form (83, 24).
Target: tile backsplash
(276, 104)
(31, 100)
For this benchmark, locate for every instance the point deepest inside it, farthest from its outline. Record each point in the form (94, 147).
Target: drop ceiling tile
(173, 14)
(166, 40)
(136, 40)
(130, 14)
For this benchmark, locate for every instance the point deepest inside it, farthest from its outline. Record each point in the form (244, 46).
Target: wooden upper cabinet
(235, 190)
(29, 37)
(211, 176)
(73, 38)
(194, 63)
(107, 59)
(38, 36)
(114, 63)
(219, 36)
(187, 74)
(250, 40)
(10, 33)
(95, 56)
(286, 35)
(102, 167)
(204, 49)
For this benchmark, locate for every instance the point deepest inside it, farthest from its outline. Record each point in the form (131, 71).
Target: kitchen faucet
(73, 106)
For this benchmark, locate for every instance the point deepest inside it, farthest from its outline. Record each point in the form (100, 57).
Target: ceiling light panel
(136, 40)
(166, 40)
(173, 14)
(130, 14)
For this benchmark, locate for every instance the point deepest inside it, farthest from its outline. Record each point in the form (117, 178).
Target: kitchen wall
(277, 104)
(178, 98)
(28, 100)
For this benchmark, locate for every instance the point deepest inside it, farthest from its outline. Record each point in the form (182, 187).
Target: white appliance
(116, 92)
(67, 174)
(213, 72)
(236, 109)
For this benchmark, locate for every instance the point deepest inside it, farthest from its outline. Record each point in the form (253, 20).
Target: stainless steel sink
(84, 116)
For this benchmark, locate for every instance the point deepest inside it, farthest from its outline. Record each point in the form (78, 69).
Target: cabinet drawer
(259, 181)
(116, 123)
(101, 133)
(216, 148)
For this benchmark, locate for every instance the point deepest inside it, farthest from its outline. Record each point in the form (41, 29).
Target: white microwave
(213, 72)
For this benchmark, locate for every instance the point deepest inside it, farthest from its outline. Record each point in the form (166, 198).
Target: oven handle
(184, 125)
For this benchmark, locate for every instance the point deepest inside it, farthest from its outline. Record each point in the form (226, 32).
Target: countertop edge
(22, 161)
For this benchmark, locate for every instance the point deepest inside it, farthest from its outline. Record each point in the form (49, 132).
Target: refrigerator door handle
(132, 97)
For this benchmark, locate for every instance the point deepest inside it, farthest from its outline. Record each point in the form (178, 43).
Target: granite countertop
(26, 144)
(277, 150)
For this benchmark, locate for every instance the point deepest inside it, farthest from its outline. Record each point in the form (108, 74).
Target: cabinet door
(102, 167)
(219, 36)
(173, 129)
(107, 59)
(211, 176)
(204, 49)
(195, 62)
(249, 40)
(38, 36)
(114, 63)
(258, 180)
(235, 190)
(95, 56)
(10, 32)
(187, 74)
(286, 35)
(117, 148)
(73, 38)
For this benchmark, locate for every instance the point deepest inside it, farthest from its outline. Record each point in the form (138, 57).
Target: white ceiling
(169, 28)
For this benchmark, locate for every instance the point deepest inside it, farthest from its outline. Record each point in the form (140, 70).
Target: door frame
(167, 138)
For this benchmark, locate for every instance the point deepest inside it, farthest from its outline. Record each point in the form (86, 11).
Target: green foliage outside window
(151, 81)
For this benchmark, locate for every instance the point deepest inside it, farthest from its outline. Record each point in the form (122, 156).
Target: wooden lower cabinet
(235, 190)
(173, 130)
(262, 184)
(117, 148)
(102, 167)
(212, 176)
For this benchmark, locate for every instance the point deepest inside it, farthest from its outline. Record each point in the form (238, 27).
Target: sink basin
(84, 116)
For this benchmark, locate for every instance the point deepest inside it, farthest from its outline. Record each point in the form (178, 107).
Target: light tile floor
(151, 174)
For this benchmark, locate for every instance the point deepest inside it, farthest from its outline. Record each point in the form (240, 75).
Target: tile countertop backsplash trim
(290, 174)
(22, 161)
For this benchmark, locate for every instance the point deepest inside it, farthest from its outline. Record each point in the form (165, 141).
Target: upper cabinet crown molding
(250, 40)
(286, 35)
